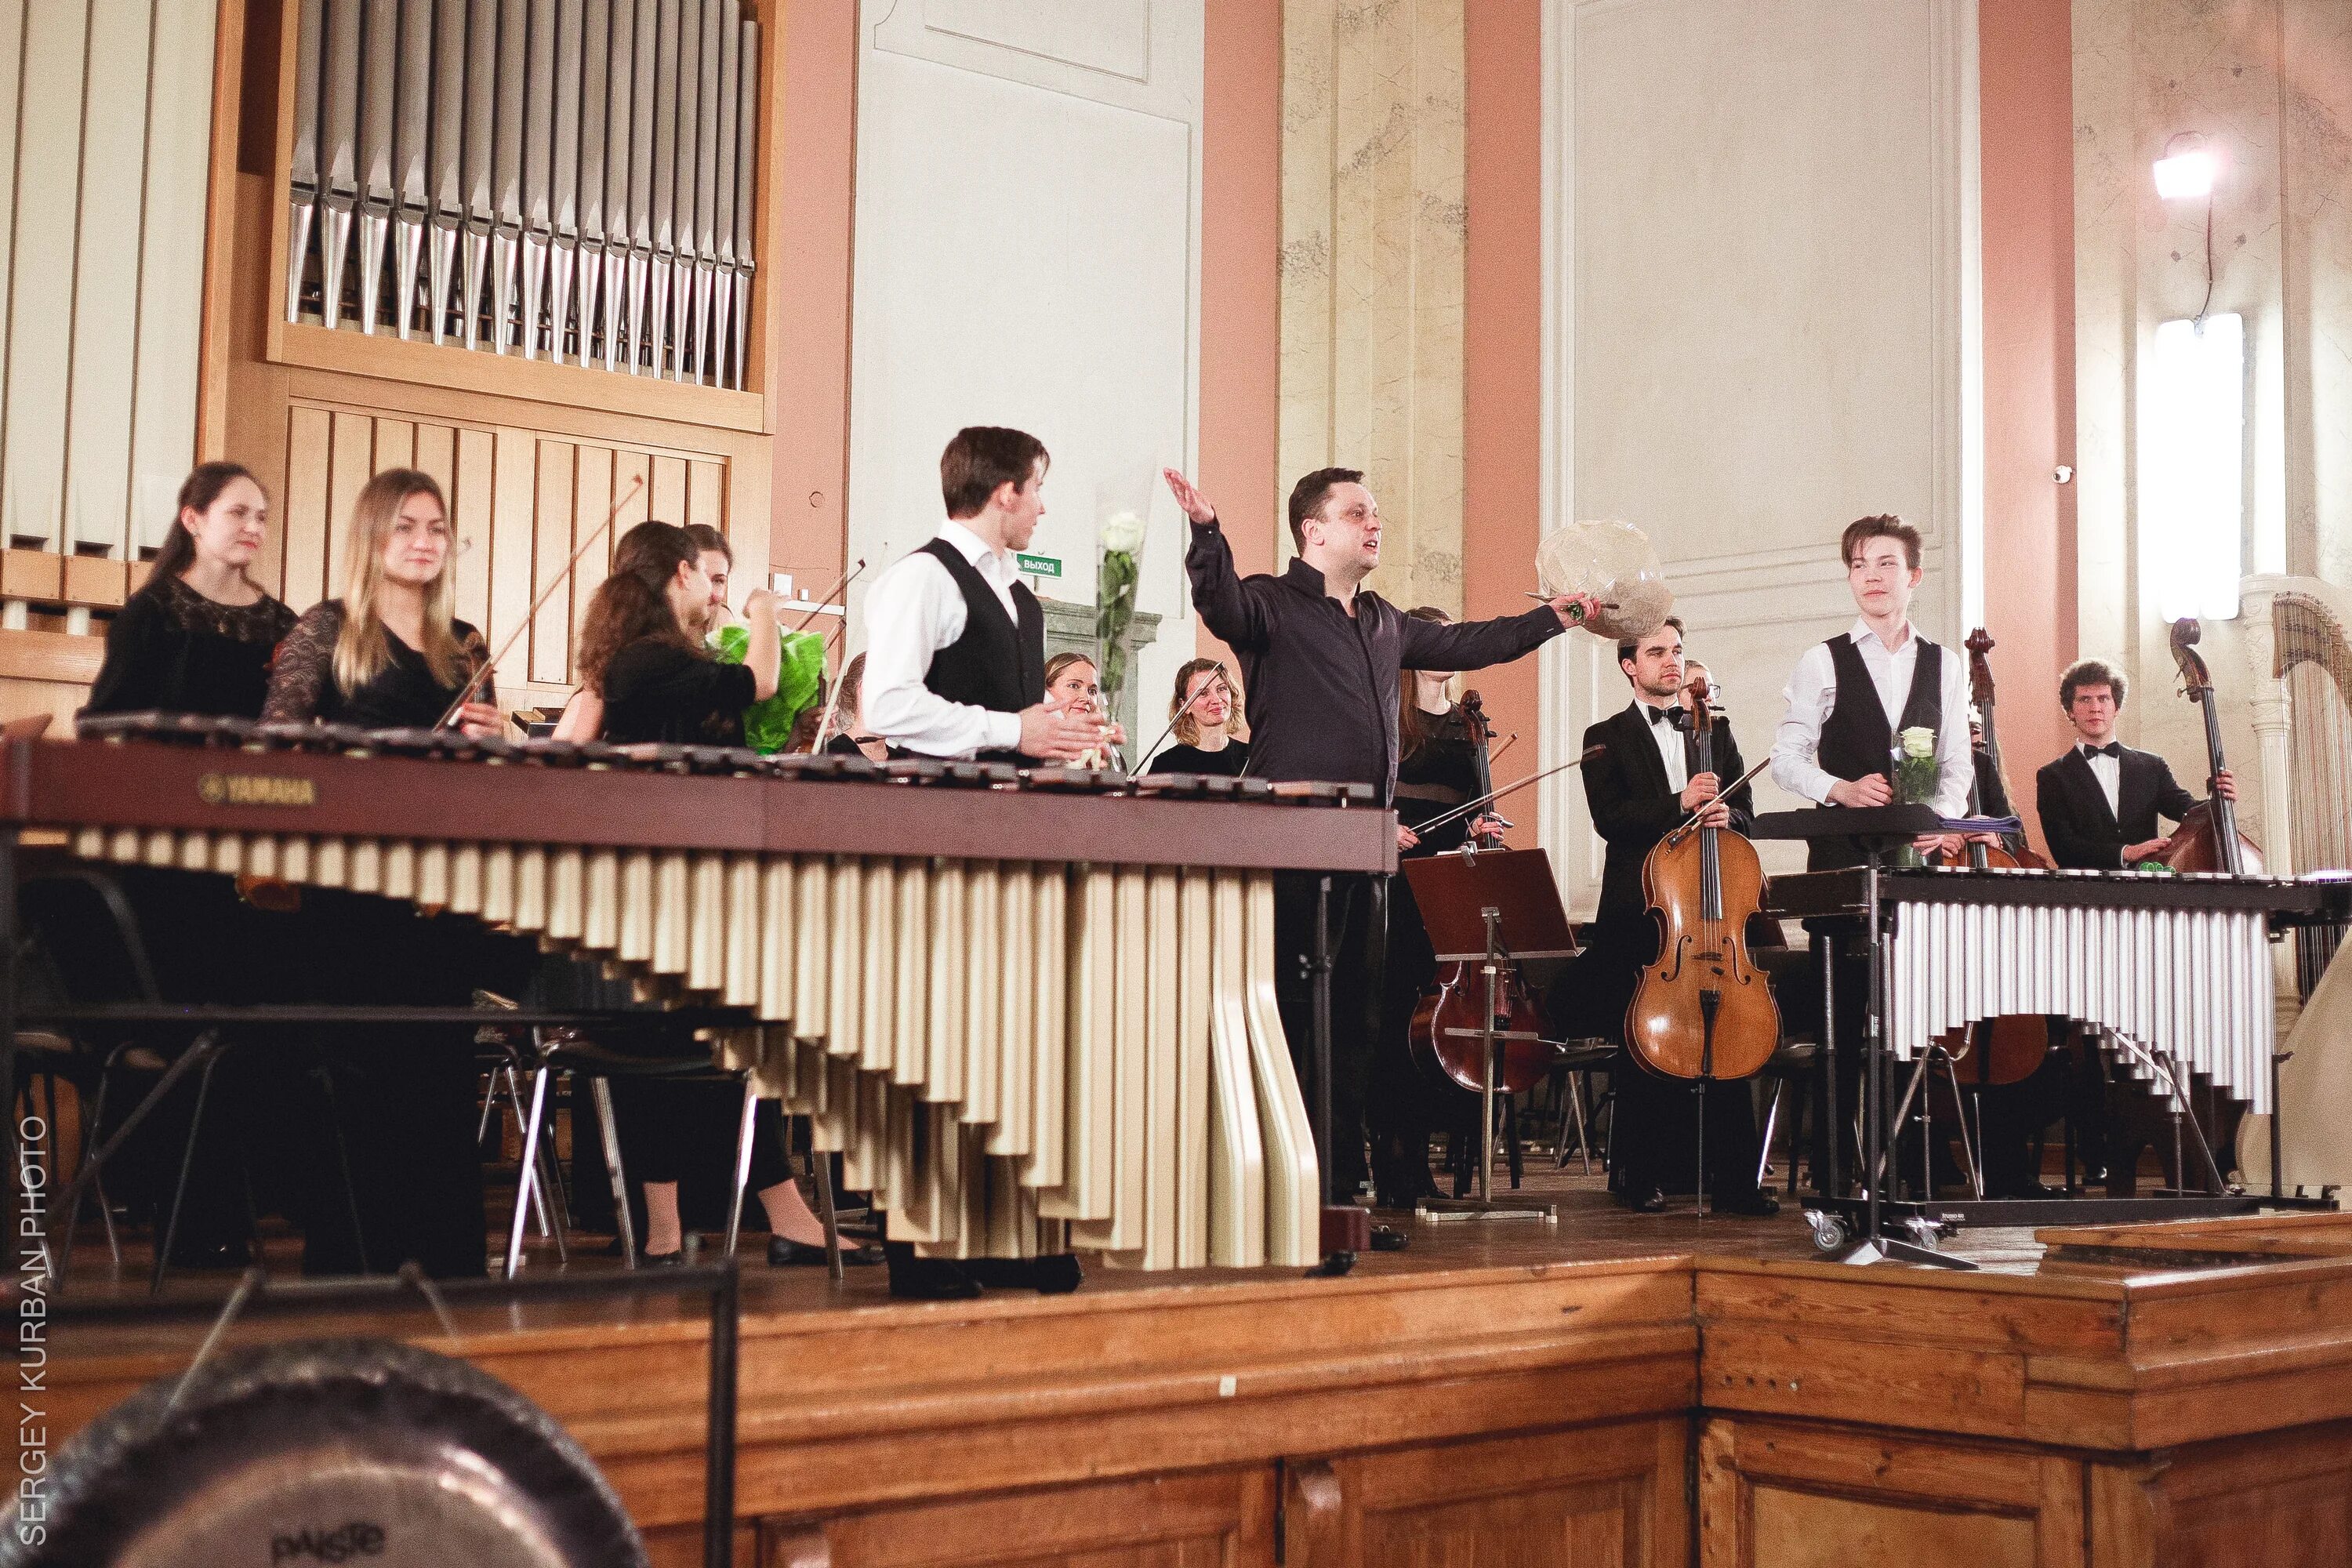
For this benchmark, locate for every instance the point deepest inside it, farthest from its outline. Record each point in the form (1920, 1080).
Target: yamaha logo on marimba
(256, 789)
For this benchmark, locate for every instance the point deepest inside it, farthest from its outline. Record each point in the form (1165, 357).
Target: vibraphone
(1033, 1010)
(2179, 966)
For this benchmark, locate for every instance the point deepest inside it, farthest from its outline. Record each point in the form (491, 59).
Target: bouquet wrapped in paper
(800, 680)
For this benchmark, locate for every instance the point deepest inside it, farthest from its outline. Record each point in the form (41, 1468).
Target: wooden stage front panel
(1620, 1393)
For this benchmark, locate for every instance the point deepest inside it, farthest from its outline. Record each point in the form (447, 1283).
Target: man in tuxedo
(2100, 801)
(1640, 789)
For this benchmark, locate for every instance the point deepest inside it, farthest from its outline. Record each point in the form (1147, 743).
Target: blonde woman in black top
(1204, 713)
(390, 654)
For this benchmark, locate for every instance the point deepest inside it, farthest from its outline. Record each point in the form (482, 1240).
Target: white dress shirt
(2109, 772)
(1812, 693)
(913, 611)
(1668, 740)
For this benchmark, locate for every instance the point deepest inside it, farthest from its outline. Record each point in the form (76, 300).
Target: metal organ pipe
(573, 178)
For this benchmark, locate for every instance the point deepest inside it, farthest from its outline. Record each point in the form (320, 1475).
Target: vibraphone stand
(1347, 1228)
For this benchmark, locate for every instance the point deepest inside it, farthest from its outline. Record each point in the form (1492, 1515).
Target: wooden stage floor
(1611, 1388)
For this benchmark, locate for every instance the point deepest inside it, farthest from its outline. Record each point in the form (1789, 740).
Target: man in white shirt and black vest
(955, 642)
(2100, 801)
(1847, 702)
(955, 667)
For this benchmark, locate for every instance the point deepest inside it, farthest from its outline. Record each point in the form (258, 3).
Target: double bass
(2006, 1049)
(1702, 1009)
(2208, 838)
(1452, 1001)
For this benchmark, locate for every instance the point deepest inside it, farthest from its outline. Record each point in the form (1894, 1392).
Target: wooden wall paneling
(556, 510)
(511, 546)
(2284, 1497)
(104, 301)
(395, 445)
(750, 527)
(473, 502)
(592, 500)
(668, 486)
(172, 307)
(40, 317)
(706, 494)
(221, 278)
(351, 463)
(1777, 1495)
(1609, 1495)
(436, 453)
(1196, 1521)
(304, 505)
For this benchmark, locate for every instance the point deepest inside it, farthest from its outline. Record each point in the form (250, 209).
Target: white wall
(1027, 253)
(1760, 323)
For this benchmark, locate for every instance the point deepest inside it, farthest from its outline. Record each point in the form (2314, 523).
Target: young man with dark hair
(1322, 661)
(717, 565)
(2100, 801)
(955, 667)
(955, 642)
(1847, 702)
(1644, 783)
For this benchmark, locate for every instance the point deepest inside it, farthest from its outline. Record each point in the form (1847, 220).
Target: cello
(2006, 1049)
(2208, 838)
(1702, 1009)
(1453, 1000)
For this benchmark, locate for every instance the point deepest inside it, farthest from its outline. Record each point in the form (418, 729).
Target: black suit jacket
(1633, 806)
(2084, 833)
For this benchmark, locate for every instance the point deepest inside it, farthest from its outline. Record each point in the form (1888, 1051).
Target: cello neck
(2224, 812)
(1710, 857)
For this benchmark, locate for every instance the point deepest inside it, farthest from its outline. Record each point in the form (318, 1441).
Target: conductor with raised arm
(1322, 658)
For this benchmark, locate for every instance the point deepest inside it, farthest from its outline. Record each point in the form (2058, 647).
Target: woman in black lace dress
(1436, 772)
(197, 638)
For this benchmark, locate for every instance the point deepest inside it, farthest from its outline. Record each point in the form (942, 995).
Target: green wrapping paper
(800, 680)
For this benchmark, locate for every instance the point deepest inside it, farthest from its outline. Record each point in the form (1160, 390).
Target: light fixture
(2189, 173)
(2192, 462)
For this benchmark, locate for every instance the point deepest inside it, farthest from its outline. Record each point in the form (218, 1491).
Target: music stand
(1874, 829)
(1489, 908)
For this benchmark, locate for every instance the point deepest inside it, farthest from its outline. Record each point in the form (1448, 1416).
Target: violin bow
(1736, 785)
(481, 672)
(833, 698)
(1467, 807)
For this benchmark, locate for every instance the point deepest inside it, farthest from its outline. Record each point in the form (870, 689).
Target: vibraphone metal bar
(1009, 1040)
(2179, 966)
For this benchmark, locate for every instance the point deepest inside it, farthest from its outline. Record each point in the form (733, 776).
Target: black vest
(996, 664)
(1856, 739)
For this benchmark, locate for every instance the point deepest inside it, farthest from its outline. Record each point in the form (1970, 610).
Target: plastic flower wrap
(1122, 541)
(1615, 563)
(1915, 776)
(800, 680)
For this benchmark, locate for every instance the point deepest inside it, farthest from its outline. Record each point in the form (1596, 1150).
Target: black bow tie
(2111, 749)
(1669, 717)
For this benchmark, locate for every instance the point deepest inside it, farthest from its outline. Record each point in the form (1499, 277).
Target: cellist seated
(1640, 789)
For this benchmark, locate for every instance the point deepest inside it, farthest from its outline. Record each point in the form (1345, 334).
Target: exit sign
(1040, 566)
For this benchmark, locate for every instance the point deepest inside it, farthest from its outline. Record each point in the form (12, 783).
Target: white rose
(1123, 533)
(1918, 741)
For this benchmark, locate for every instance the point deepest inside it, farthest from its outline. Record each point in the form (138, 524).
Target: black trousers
(1653, 1135)
(1357, 934)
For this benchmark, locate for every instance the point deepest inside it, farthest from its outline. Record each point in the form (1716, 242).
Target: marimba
(1035, 1011)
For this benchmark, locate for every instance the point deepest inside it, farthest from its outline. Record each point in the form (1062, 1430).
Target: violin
(2208, 838)
(2006, 1049)
(1702, 1009)
(1454, 1001)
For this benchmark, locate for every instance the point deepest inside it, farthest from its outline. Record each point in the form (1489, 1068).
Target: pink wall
(1241, 297)
(808, 337)
(1501, 373)
(2024, 57)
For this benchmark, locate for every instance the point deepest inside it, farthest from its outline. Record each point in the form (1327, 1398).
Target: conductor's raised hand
(1574, 609)
(1053, 733)
(1188, 496)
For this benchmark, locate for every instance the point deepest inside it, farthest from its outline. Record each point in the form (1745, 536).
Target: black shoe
(914, 1279)
(1644, 1200)
(1056, 1274)
(1757, 1204)
(785, 1253)
(1388, 1239)
(231, 1254)
(662, 1259)
(2033, 1191)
